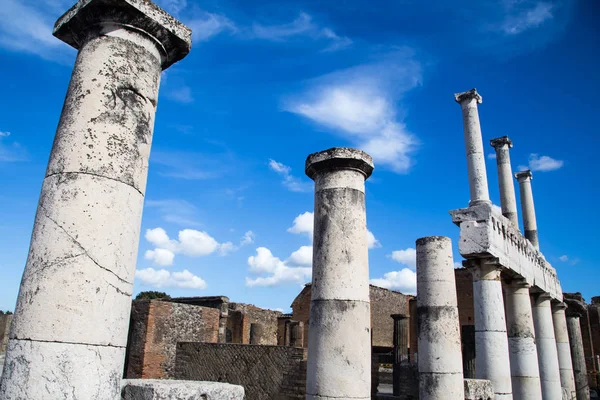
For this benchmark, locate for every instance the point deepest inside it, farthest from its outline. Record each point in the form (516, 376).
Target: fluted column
(478, 183)
(546, 347)
(508, 201)
(70, 325)
(492, 359)
(521, 342)
(563, 348)
(440, 362)
(582, 387)
(339, 335)
(527, 207)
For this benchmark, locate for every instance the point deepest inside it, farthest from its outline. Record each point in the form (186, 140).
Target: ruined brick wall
(384, 303)
(586, 335)
(155, 329)
(464, 294)
(5, 321)
(265, 372)
(238, 327)
(267, 334)
(594, 314)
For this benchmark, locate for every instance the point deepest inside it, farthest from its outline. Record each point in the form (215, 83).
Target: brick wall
(154, 331)
(267, 319)
(265, 372)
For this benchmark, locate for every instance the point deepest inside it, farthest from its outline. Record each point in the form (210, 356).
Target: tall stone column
(563, 348)
(400, 348)
(440, 362)
(478, 183)
(508, 201)
(582, 388)
(527, 207)
(339, 335)
(492, 359)
(70, 324)
(546, 347)
(521, 342)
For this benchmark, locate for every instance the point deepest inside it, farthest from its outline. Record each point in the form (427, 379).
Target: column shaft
(563, 348)
(440, 363)
(528, 208)
(70, 324)
(508, 199)
(339, 337)
(478, 183)
(400, 348)
(546, 347)
(522, 343)
(579, 368)
(491, 342)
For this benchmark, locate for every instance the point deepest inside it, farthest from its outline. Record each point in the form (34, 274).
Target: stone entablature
(484, 233)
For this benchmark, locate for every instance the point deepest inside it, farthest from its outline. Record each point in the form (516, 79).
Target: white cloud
(4, 134)
(248, 238)
(160, 257)
(11, 152)
(207, 25)
(301, 26)
(163, 278)
(407, 257)
(303, 256)
(181, 94)
(173, 7)
(359, 103)
(373, 243)
(404, 281)
(226, 248)
(303, 224)
(524, 19)
(564, 258)
(491, 156)
(180, 212)
(543, 163)
(292, 183)
(277, 271)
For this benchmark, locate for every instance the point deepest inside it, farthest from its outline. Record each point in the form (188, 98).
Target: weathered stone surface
(485, 233)
(440, 362)
(546, 347)
(478, 389)
(528, 208)
(576, 308)
(339, 349)
(508, 200)
(155, 389)
(563, 348)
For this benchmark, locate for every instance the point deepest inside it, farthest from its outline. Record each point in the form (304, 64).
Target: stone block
(155, 389)
(477, 389)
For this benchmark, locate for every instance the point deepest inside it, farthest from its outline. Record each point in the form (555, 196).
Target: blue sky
(228, 206)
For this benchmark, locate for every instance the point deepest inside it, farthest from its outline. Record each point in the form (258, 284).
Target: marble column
(546, 347)
(521, 341)
(440, 361)
(71, 320)
(478, 183)
(339, 335)
(492, 360)
(563, 348)
(508, 201)
(527, 207)
(400, 348)
(579, 368)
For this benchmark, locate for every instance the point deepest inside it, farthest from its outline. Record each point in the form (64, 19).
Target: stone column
(440, 361)
(400, 348)
(546, 347)
(508, 201)
(563, 348)
(339, 335)
(478, 183)
(527, 207)
(71, 320)
(524, 367)
(582, 388)
(492, 360)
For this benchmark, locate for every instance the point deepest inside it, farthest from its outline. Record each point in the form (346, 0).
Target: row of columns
(522, 348)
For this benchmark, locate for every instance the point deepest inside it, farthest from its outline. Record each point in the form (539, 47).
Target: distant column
(508, 201)
(339, 335)
(524, 366)
(440, 361)
(582, 387)
(492, 360)
(400, 348)
(527, 207)
(70, 324)
(563, 348)
(478, 183)
(546, 347)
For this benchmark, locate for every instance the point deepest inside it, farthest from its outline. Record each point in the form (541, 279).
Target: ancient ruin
(500, 328)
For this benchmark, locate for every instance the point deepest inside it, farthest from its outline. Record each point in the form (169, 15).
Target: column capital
(339, 158)
(397, 317)
(172, 38)
(517, 283)
(524, 176)
(540, 297)
(468, 95)
(488, 269)
(500, 142)
(559, 306)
